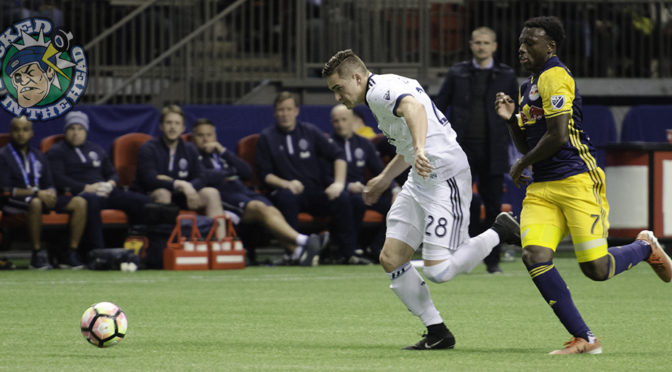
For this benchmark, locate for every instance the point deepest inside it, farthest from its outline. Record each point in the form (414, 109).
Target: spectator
(169, 169)
(363, 162)
(83, 168)
(288, 161)
(26, 174)
(469, 90)
(224, 171)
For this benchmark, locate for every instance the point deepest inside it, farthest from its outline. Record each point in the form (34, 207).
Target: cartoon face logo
(32, 83)
(44, 76)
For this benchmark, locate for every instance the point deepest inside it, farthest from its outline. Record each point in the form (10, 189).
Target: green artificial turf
(329, 318)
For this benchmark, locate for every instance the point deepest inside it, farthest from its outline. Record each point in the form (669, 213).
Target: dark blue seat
(599, 125)
(647, 123)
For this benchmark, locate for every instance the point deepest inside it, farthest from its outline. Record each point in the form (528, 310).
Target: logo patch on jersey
(534, 93)
(359, 153)
(94, 159)
(183, 163)
(303, 144)
(387, 95)
(557, 102)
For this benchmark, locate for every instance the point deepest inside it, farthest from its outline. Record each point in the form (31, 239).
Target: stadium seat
(4, 139)
(125, 156)
(246, 149)
(49, 141)
(599, 124)
(647, 123)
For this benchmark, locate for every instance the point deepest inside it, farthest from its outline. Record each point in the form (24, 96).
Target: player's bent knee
(596, 270)
(440, 273)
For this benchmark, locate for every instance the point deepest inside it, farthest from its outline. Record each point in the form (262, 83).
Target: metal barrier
(215, 51)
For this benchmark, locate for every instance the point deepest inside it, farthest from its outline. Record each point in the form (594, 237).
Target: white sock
(301, 240)
(298, 251)
(413, 292)
(472, 252)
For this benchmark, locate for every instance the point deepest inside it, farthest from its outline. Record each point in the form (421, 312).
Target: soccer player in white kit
(432, 208)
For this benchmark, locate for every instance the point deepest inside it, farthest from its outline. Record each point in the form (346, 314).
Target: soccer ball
(104, 324)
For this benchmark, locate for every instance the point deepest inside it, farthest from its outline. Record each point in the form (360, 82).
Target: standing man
(25, 173)
(432, 208)
(83, 167)
(225, 171)
(568, 192)
(289, 156)
(468, 91)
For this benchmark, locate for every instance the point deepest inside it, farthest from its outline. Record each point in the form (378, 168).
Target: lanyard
(215, 161)
(22, 167)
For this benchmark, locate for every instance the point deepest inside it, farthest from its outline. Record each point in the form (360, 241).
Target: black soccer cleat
(507, 228)
(434, 342)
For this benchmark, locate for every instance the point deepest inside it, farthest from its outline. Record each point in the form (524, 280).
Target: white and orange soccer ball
(104, 324)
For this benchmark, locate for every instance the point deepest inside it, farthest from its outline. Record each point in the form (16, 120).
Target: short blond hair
(483, 30)
(342, 61)
(172, 109)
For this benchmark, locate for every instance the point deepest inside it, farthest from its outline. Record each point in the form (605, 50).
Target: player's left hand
(422, 164)
(334, 190)
(374, 189)
(516, 174)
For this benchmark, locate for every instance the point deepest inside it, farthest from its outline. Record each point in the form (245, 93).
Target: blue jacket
(296, 154)
(231, 167)
(11, 176)
(361, 156)
(154, 159)
(456, 94)
(75, 167)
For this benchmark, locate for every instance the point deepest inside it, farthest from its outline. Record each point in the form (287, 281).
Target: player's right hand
(504, 105)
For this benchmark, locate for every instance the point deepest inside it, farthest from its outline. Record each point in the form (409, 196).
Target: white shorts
(435, 214)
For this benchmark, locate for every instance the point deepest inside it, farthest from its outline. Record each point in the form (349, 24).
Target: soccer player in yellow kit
(568, 190)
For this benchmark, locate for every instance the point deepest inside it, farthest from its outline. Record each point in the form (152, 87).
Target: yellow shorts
(576, 205)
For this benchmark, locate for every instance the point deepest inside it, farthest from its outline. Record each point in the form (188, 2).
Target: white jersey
(383, 95)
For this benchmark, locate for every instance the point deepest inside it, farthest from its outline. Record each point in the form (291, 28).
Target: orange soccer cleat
(659, 260)
(578, 345)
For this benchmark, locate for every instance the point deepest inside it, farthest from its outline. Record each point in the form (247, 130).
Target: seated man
(224, 171)
(26, 175)
(288, 161)
(169, 169)
(83, 167)
(361, 157)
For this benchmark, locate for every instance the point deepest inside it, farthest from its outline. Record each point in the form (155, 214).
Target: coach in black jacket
(469, 91)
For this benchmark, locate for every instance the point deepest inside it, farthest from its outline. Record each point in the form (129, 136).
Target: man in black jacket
(469, 90)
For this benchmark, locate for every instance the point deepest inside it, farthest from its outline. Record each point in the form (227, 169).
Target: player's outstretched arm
(557, 134)
(378, 184)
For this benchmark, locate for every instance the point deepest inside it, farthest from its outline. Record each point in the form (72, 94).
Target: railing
(214, 51)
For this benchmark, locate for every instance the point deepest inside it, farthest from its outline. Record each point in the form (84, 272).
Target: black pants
(489, 193)
(316, 203)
